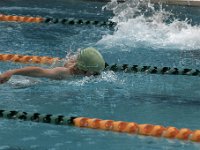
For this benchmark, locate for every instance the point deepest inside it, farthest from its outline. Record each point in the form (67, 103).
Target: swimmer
(88, 62)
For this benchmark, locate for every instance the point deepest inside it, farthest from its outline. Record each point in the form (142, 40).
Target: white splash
(108, 76)
(23, 82)
(134, 29)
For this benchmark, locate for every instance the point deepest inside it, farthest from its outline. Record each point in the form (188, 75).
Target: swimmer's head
(91, 60)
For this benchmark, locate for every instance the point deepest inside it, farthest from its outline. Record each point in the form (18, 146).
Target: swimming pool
(152, 39)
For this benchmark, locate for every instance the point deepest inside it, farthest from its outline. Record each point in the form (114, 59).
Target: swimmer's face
(71, 63)
(88, 73)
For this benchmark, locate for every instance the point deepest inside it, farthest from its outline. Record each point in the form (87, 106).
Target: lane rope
(114, 67)
(28, 59)
(108, 125)
(152, 70)
(65, 21)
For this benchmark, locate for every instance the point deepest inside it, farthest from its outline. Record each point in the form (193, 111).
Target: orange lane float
(64, 21)
(141, 129)
(107, 125)
(11, 18)
(124, 67)
(28, 59)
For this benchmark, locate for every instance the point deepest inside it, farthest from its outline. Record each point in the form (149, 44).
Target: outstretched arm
(55, 73)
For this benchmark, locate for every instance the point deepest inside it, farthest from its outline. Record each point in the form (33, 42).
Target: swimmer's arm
(55, 73)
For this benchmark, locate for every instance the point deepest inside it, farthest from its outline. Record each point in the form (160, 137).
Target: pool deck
(179, 2)
(170, 2)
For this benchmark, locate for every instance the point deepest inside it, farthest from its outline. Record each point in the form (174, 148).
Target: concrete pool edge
(179, 2)
(193, 3)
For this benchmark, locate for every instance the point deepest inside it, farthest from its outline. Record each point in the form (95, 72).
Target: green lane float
(108, 125)
(66, 21)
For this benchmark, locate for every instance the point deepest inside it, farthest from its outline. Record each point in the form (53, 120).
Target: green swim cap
(90, 59)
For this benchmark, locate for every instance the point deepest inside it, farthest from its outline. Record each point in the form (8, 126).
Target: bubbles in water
(108, 76)
(22, 82)
(70, 57)
(140, 25)
(52, 133)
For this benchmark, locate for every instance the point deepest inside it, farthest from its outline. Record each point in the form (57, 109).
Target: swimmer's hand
(5, 77)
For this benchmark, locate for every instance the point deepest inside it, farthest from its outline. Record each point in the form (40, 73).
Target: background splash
(141, 24)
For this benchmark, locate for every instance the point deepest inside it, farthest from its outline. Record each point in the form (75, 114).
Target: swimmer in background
(88, 62)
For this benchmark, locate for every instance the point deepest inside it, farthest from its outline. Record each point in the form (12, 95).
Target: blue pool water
(161, 37)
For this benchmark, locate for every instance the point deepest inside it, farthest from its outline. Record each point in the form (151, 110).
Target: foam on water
(19, 82)
(108, 76)
(141, 25)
